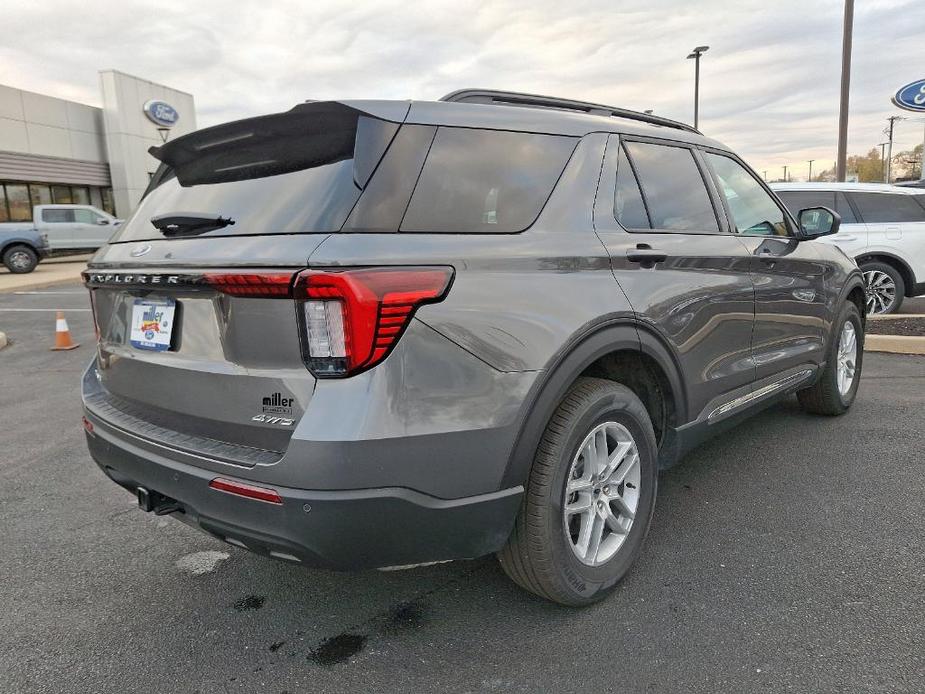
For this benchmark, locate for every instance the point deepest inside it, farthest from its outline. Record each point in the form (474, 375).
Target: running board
(765, 391)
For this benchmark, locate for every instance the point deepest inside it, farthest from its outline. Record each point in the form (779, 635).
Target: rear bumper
(350, 529)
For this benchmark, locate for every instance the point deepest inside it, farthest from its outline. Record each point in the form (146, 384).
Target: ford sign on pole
(161, 113)
(911, 97)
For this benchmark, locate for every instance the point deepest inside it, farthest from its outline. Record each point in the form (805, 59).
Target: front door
(686, 276)
(788, 275)
(91, 230)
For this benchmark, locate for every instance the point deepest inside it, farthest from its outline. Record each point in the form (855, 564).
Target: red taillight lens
(253, 284)
(271, 496)
(353, 318)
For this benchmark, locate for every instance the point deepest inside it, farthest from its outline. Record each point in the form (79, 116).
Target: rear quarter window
(888, 207)
(483, 181)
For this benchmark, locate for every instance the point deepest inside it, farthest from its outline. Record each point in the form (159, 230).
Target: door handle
(646, 255)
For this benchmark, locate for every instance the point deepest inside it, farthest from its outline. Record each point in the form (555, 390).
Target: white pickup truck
(69, 227)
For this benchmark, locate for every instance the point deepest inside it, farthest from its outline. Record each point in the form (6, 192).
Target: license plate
(152, 324)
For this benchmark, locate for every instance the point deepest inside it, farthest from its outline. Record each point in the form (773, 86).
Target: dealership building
(58, 151)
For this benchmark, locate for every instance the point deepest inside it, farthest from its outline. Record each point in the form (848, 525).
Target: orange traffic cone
(62, 334)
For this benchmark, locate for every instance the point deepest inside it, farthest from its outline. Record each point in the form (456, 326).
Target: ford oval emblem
(161, 113)
(141, 250)
(911, 97)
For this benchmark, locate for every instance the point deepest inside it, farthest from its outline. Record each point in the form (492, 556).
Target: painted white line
(46, 310)
(22, 293)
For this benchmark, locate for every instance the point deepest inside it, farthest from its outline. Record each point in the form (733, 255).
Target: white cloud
(770, 81)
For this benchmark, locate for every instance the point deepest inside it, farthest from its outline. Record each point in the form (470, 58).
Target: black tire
(20, 259)
(539, 556)
(873, 306)
(824, 397)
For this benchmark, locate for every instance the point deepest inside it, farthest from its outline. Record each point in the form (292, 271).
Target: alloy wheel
(602, 493)
(847, 358)
(881, 291)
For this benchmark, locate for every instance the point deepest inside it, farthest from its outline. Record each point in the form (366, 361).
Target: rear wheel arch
(621, 352)
(897, 263)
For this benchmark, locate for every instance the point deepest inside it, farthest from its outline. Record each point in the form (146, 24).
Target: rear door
(687, 278)
(896, 225)
(58, 224)
(789, 276)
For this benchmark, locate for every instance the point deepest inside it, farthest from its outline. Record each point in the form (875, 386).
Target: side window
(754, 212)
(673, 190)
(628, 206)
(888, 207)
(797, 200)
(57, 216)
(844, 209)
(84, 217)
(485, 181)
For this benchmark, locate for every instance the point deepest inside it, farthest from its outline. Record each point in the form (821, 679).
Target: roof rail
(492, 96)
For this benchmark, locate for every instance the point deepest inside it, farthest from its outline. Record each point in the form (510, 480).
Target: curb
(894, 344)
(3, 341)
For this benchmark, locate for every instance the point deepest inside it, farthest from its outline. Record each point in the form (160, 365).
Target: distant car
(21, 249)
(882, 228)
(69, 227)
(912, 184)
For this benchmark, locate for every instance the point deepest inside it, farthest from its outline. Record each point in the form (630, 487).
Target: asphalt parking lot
(788, 555)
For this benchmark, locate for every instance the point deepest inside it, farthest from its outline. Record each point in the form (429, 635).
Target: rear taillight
(253, 284)
(353, 318)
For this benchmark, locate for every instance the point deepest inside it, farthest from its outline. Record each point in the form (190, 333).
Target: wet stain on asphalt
(338, 649)
(249, 602)
(408, 615)
(276, 645)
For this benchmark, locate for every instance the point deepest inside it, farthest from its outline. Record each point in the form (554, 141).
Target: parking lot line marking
(84, 291)
(48, 310)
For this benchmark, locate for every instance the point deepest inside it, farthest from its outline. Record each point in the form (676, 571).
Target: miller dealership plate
(152, 324)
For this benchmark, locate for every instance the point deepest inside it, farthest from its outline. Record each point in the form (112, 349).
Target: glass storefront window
(4, 216)
(61, 195)
(17, 198)
(108, 204)
(41, 195)
(80, 196)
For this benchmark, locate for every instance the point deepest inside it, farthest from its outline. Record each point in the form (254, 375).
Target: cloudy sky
(769, 84)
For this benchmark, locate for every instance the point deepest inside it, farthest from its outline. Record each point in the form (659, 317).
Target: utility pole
(695, 54)
(889, 157)
(810, 177)
(785, 174)
(765, 175)
(841, 163)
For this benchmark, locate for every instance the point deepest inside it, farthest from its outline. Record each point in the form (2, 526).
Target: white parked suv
(882, 228)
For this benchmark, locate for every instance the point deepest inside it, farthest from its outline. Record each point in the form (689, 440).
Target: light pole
(809, 178)
(695, 54)
(889, 156)
(842, 159)
(765, 175)
(882, 147)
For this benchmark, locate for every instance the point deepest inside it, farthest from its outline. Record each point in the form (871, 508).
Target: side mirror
(103, 222)
(818, 221)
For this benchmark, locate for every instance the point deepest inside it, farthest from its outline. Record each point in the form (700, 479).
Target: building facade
(57, 151)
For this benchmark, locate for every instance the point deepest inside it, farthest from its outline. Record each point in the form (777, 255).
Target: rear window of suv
(292, 172)
(485, 181)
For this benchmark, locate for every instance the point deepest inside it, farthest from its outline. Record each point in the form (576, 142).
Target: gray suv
(378, 334)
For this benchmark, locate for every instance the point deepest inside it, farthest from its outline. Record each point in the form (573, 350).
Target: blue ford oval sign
(911, 97)
(161, 113)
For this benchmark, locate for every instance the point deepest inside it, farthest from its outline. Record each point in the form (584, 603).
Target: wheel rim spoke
(602, 493)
